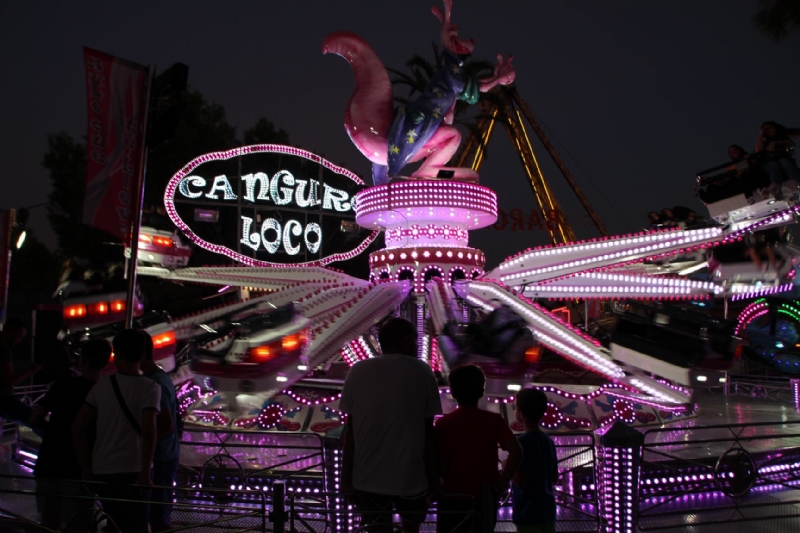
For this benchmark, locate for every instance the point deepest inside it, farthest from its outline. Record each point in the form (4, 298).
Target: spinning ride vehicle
(687, 347)
(160, 244)
(85, 306)
(738, 192)
(250, 353)
(156, 324)
(766, 257)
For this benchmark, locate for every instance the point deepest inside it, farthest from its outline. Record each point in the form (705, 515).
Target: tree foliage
(203, 128)
(776, 18)
(33, 267)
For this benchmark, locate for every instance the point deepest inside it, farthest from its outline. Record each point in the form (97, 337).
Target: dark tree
(203, 128)
(33, 267)
(776, 18)
(66, 160)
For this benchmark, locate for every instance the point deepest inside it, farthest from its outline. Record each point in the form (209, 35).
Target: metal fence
(717, 475)
(195, 509)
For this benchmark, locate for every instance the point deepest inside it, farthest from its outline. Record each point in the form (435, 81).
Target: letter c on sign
(292, 227)
(197, 181)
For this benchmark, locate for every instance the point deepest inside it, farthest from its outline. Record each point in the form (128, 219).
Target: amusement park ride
(301, 322)
(259, 378)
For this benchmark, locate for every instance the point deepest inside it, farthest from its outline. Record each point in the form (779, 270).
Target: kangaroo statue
(424, 129)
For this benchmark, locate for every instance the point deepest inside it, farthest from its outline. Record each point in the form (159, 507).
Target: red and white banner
(116, 91)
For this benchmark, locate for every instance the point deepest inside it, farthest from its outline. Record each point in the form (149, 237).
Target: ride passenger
(468, 441)
(762, 244)
(775, 142)
(668, 218)
(655, 219)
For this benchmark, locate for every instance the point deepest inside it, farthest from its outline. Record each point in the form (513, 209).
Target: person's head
(654, 217)
(667, 213)
(398, 335)
(95, 354)
(736, 152)
(129, 346)
(467, 385)
(531, 406)
(14, 331)
(770, 128)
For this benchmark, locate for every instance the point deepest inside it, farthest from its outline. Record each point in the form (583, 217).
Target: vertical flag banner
(116, 91)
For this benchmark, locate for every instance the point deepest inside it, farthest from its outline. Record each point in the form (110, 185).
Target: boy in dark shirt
(167, 454)
(534, 505)
(468, 440)
(57, 460)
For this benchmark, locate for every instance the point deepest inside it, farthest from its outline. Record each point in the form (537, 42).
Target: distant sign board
(268, 205)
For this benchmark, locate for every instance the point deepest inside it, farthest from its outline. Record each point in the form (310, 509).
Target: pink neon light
(169, 203)
(750, 313)
(474, 205)
(396, 237)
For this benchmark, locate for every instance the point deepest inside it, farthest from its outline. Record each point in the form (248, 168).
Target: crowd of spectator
(397, 461)
(118, 429)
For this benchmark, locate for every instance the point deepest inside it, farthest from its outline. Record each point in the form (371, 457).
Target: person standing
(11, 408)
(57, 467)
(390, 455)
(125, 406)
(534, 503)
(469, 438)
(167, 454)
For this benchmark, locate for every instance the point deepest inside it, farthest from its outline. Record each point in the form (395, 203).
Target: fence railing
(719, 475)
(194, 509)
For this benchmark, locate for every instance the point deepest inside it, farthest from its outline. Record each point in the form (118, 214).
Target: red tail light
(533, 354)
(262, 354)
(99, 308)
(291, 343)
(117, 306)
(164, 339)
(166, 242)
(75, 311)
(156, 240)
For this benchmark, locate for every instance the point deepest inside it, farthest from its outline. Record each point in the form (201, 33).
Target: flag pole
(137, 214)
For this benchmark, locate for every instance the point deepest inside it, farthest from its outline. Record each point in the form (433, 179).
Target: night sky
(637, 95)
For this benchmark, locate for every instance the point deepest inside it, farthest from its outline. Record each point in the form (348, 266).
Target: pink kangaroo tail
(369, 112)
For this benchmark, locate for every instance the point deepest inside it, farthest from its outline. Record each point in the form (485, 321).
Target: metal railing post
(619, 469)
(278, 514)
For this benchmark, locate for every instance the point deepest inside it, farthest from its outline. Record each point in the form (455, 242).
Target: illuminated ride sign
(268, 205)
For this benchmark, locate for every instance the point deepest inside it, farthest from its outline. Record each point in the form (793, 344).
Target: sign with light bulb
(273, 205)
